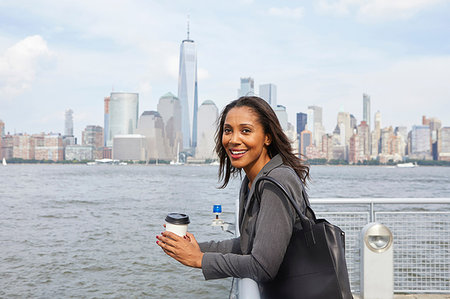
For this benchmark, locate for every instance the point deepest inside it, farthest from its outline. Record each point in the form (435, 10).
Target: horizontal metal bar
(406, 200)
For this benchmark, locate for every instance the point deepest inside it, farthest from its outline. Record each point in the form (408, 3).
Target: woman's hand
(183, 249)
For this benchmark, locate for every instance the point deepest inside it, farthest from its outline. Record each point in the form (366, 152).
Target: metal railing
(421, 229)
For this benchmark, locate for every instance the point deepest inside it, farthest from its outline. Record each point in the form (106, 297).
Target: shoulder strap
(305, 221)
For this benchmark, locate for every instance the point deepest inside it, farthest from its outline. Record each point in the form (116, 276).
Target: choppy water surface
(78, 231)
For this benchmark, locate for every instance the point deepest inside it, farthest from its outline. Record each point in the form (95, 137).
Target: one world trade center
(187, 92)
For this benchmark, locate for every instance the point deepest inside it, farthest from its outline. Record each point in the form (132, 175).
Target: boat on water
(406, 165)
(177, 162)
(4, 161)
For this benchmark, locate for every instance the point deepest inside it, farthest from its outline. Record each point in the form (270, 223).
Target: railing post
(372, 212)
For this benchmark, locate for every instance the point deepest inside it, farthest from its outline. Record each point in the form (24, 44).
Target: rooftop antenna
(188, 27)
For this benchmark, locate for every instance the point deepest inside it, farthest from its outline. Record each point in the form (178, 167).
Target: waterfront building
(123, 114)
(2, 129)
(79, 152)
(151, 126)
(353, 122)
(366, 110)
(327, 146)
(7, 147)
(93, 136)
(391, 146)
(305, 141)
(376, 135)
(23, 147)
(280, 112)
(130, 147)
(188, 92)
(434, 124)
(107, 152)
(68, 128)
(444, 144)
(364, 140)
(48, 147)
(292, 135)
(302, 119)
(343, 120)
(268, 92)
(106, 121)
(169, 108)
(355, 154)
(314, 124)
(301, 126)
(420, 143)
(402, 136)
(207, 117)
(313, 152)
(247, 87)
(339, 152)
(386, 134)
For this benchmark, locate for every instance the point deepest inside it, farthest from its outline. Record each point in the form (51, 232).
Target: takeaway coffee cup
(177, 223)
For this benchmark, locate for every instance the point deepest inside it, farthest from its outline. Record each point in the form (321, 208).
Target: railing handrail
(384, 200)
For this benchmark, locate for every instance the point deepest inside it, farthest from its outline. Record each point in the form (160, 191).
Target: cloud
(20, 64)
(286, 12)
(376, 9)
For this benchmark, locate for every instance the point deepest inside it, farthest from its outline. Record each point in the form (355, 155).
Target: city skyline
(324, 54)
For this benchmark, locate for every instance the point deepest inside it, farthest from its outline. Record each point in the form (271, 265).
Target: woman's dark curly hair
(280, 143)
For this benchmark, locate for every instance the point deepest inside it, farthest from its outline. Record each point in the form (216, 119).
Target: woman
(249, 137)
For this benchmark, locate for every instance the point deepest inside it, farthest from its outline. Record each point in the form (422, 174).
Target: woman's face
(245, 141)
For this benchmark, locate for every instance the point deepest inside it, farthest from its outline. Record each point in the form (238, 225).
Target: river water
(89, 231)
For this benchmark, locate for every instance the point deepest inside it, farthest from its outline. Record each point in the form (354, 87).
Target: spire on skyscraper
(188, 27)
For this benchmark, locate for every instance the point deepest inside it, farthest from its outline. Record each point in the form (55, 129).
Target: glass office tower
(188, 92)
(123, 114)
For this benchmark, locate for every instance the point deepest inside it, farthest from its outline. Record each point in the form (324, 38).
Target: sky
(56, 55)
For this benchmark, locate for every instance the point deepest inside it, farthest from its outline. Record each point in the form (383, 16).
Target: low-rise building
(79, 152)
(129, 147)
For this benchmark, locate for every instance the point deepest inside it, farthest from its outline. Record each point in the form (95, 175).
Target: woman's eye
(246, 131)
(226, 130)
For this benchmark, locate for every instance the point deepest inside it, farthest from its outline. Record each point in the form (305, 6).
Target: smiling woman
(249, 137)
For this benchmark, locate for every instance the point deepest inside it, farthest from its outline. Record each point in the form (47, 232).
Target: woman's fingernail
(157, 242)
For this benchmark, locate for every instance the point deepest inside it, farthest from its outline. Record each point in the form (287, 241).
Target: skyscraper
(68, 129)
(188, 92)
(281, 113)
(151, 126)
(123, 114)
(366, 110)
(207, 117)
(301, 122)
(2, 129)
(170, 110)
(269, 93)
(247, 87)
(315, 124)
(106, 122)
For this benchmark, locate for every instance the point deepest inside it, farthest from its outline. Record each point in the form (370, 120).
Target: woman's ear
(268, 140)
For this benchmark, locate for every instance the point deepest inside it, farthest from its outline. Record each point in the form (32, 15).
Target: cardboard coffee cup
(177, 223)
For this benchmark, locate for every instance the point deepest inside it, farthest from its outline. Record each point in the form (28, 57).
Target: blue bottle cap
(217, 209)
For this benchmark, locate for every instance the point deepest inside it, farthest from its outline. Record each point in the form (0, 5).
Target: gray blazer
(266, 229)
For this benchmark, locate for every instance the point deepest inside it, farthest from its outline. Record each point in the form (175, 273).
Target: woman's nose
(235, 138)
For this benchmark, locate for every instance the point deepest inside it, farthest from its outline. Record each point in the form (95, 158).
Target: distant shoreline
(417, 163)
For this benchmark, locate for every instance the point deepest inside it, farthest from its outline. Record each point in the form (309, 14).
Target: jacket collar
(275, 162)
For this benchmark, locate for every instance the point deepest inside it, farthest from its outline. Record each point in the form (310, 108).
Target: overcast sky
(56, 55)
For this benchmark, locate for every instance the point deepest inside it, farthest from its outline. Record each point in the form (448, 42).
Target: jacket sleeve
(226, 246)
(272, 235)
